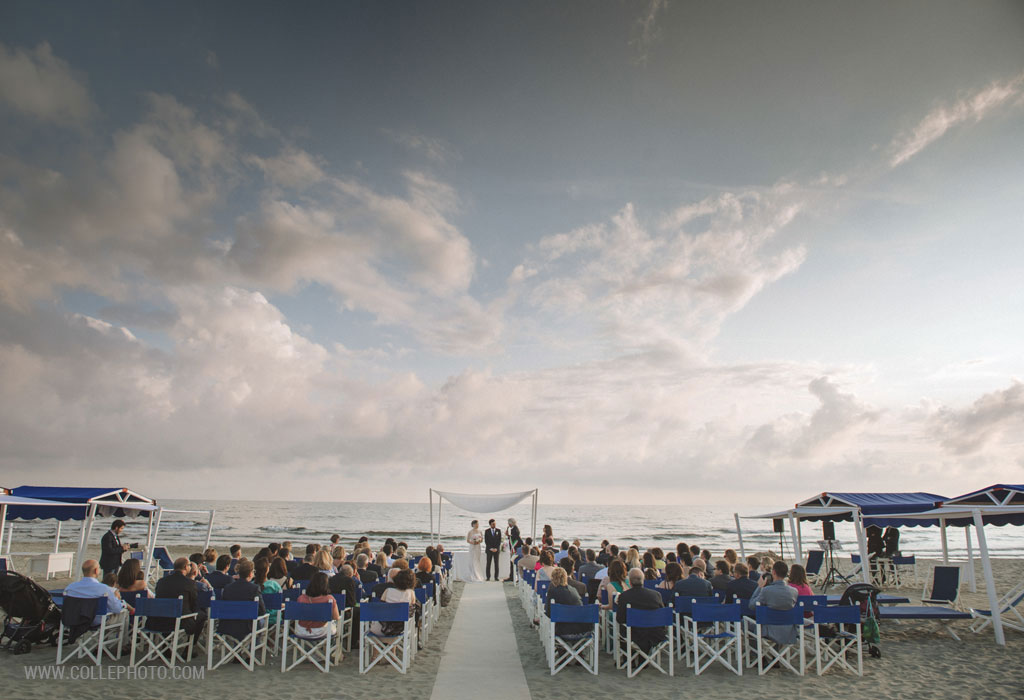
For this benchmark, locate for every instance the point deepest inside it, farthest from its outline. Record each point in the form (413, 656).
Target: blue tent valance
(110, 502)
(871, 503)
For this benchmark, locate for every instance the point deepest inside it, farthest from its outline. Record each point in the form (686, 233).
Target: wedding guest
(545, 564)
(681, 549)
(338, 553)
(181, 583)
(220, 578)
(279, 573)
(614, 583)
(633, 560)
(604, 556)
(344, 582)
(568, 566)
(89, 586)
(236, 553)
(130, 578)
(402, 591)
(196, 576)
(529, 562)
(742, 586)
(275, 548)
(319, 591)
(323, 562)
(563, 551)
(798, 580)
(694, 585)
(245, 590)
(363, 571)
(731, 557)
(673, 574)
(561, 593)
(647, 560)
(382, 564)
(720, 581)
(305, 570)
(753, 566)
(210, 558)
(659, 558)
(261, 570)
(777, 595)
(639, 598)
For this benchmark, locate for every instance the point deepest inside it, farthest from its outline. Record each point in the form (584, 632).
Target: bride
(475, 538)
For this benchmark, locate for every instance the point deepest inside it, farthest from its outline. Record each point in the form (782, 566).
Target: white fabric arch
(480, 503)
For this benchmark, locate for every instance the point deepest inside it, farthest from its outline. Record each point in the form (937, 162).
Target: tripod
(833, 575)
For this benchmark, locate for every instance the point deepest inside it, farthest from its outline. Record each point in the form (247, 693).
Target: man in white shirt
(89, 586)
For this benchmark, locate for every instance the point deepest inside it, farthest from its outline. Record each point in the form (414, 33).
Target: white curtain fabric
(483, 502)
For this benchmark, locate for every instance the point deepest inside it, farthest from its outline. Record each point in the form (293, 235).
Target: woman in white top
(402, 592)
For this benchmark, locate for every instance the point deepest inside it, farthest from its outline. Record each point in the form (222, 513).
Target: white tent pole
(149, 531)
(739, 535)
(990, 584)
(439, 518)
(862, 545)
(56, 539)
(970, 561)
(536, 498)
(86, 529)
(945, 544)
(209, 530)
(430, 499)
(3, 525)
(156, 534)
(799, 536)
(81, 543)
(10, 538)
(797, 554)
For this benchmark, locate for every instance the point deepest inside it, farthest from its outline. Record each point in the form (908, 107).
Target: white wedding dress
(476, 555)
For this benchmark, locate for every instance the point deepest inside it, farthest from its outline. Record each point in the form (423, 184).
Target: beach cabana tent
(843, 507)
(964, 513)
(108, 502)
(7, 501)
(481, 503)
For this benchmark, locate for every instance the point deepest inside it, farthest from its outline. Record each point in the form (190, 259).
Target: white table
(52, 563)
(462, 566)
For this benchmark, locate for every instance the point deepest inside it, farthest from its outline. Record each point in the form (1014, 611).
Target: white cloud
(972, 108)
(39, 84)
(646, 32)
(971, 430)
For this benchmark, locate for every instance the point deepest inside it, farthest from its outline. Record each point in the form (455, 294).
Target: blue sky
(599, 248)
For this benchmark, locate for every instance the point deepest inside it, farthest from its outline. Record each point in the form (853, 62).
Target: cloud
(646, 31)
(971, 430)
(972, 108)
(434, 148)
(40, 85)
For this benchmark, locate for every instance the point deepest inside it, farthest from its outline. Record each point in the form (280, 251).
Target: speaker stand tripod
(832, 575)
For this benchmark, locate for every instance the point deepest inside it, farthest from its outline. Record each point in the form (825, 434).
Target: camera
(133, 545)
(767, 578)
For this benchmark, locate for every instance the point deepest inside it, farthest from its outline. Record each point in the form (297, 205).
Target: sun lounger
(941, 616)
(1011, 616)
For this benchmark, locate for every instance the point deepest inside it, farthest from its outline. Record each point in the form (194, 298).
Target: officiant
(514, 543)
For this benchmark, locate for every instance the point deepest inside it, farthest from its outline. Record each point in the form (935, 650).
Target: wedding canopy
(481, 503)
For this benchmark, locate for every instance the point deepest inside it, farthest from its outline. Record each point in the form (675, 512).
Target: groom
(492, 540)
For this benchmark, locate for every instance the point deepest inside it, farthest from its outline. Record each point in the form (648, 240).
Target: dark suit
(218, 579)
(640, 598)
(694, 586)
(564, 595)
(740, 588)
(492, 540)
(110, 552)
(340, 583)
(720, 582)
(367, 576)
(304, 572)
(240, 590)
(177, 584)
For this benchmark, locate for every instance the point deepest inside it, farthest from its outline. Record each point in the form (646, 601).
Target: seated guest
(562, 593)
(731, 557)
(567, 564)
(345, 582)
(110, 579)
(210, 558)
(380, 565)
(647, 561)
(659, 558)
(89, 586)
(384, 583)
(694, 585)
(680, 549)
(798, 580)
(261, 577)
(220, 578)
(614, 583)
(424, 567)
(777, 595)
(670, 557)
(200, 561)
(640, 598)
(264, 553)
(179, 584)
(694, 552)
(604, 556)
(305, 570)
(130, 578)
(319, 591)
(363, 571)
(766, 565)
(529, 561)
(401, 590)
(720, 581)
(563, 551)
(686, 560)
(633, 560)
(754, 566)
(590, 566)
(241, 589)
(338, 553)
(544, 566)
(275, 548)
(236, 554)
(279, 573)
(742, 586)
(197, 577)
(705, 554)
(673, 574)
(324, 562)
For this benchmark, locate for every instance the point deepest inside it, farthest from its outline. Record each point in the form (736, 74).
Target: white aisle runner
(480, 657)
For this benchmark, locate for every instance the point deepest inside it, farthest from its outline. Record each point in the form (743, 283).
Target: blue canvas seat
(945, 588)
(305, 646)
(637, 658)
(165, 646)
(398, 649)
(769, 652)
(563, 649)
(716, 635)
(79, 637)
(1009, 614)
(249, 650)
(833, 644)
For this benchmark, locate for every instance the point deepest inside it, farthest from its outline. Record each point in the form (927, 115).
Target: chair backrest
(769, 616)
(683, 604)
(716, 612)
(131, 596)
(78, 611)
(583, 577)
(273, 601)
(311, 612)
(339, 600)
(855, 559)
(542, 588)
(945, 583)
(530, 577)
(662, 617)
(422, 595)
(292, 594)
(302, 585)
(163, 557)
(815, 558)
(141, 556)
(384, 612)
(900, 560)
(837, 614)
(651, 584)
(668, 596)
(158, 607)
(812, 601)
(590, 614)
(234, 610)
(203, 598)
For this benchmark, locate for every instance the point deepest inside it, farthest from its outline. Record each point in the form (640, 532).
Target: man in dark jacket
(720, 581)
(173, 586)
(305, 570)
(365, 575)
(220, 578)
(342, 582)
(640, 598)
(741, 587)
(242, 589)
(111, 548)
(694, 585)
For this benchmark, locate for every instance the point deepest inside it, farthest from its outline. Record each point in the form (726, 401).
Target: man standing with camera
(111, 548)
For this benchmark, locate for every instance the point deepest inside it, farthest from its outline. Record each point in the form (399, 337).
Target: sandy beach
(918, 661)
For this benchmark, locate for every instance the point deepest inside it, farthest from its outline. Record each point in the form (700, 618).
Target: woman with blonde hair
(323, 561)
(633, 559)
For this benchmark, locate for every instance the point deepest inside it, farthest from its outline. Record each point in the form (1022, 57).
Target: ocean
(253, 524)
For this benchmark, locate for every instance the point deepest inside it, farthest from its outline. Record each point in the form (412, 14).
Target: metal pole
(430, 499)
(3, 524)
(945, 544)
(439, 518)
(797, 554)
(990, 584)
(799, 537)
(209, 530)
(86, 529)
(970, 561)
(56, 539)
(739, 534)
(862, 544)
(156, 533)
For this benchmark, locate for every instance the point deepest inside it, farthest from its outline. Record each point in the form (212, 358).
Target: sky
(624, 252)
